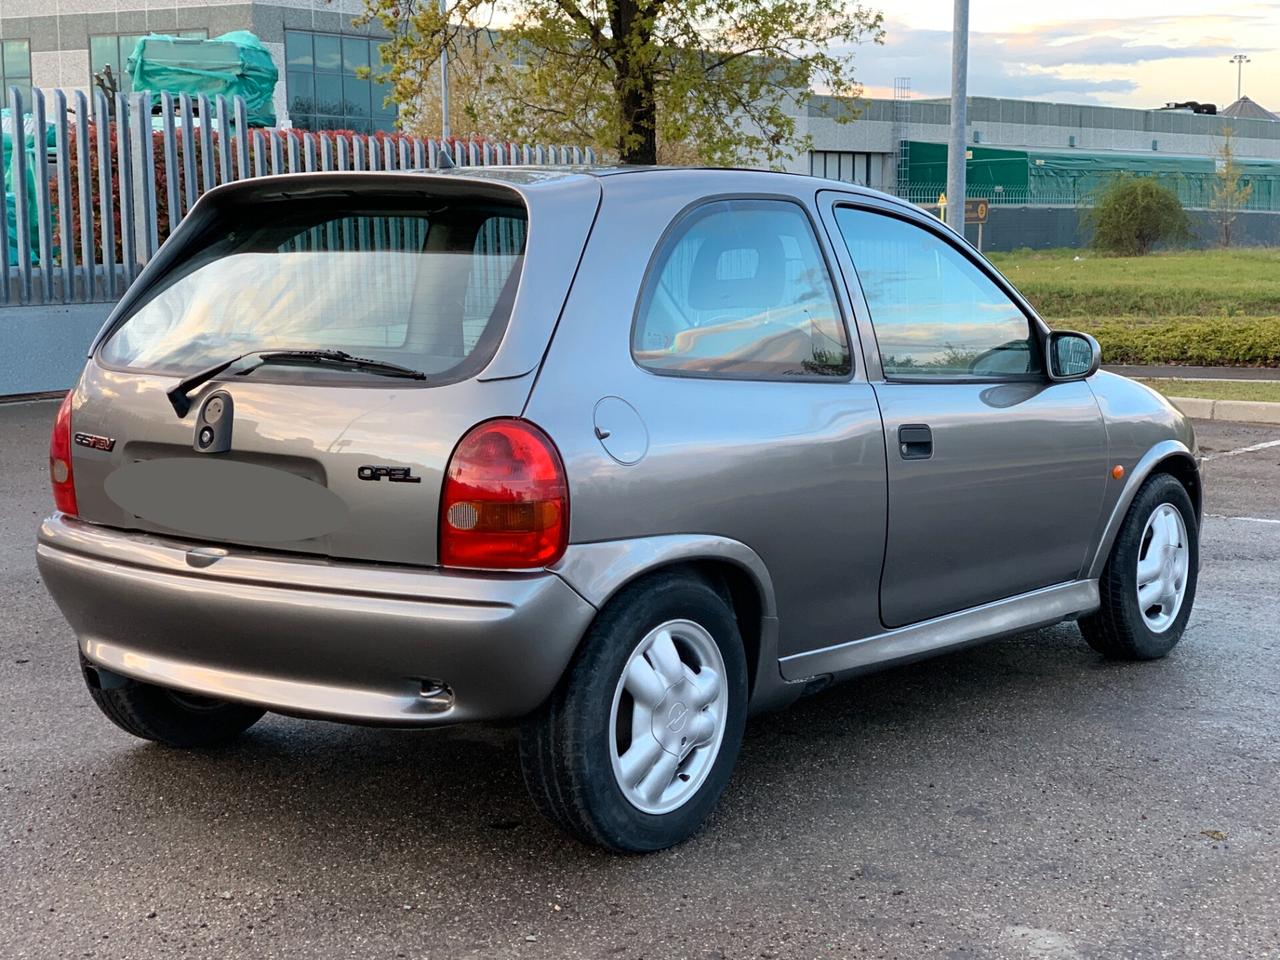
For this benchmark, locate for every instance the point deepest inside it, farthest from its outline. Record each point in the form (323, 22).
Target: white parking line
(1219, 516)
(1249, 449)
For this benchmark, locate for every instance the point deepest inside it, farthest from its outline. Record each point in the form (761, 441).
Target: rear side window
(739, 289)
(428, 289)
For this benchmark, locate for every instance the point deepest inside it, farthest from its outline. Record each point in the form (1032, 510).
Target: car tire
(171, 717)
(1148, 556)
(572, 749)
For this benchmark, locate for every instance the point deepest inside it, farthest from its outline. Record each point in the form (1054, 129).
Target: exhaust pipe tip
(435, 695)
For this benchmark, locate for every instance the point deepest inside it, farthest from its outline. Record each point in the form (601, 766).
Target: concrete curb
(1241, 411)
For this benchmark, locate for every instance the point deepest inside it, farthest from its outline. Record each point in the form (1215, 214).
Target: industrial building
(316, 48)
(1037, 153)
(1020, 151)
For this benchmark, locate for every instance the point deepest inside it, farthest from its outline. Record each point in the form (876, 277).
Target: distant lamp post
(1239, 60)
(445, 131)
(957, 152)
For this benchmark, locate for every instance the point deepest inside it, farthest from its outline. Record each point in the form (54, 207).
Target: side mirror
(1073, 356)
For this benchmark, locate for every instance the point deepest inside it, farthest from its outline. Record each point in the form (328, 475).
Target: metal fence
(92, 187)
(1195, 192)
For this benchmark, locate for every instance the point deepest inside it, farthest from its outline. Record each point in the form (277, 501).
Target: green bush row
(1253, 341)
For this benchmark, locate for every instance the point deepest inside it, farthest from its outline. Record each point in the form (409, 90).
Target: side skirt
(1026, 611)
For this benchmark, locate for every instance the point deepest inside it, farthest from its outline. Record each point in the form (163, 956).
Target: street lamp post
(444, 74)
(959, 102)
(1239, 60)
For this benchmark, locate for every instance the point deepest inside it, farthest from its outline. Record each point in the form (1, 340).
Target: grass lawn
(1203, 283)
(1266, 390)
(1213, 307)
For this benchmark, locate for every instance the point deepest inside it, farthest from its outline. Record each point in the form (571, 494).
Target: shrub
(1199, 341)
(1134, 214)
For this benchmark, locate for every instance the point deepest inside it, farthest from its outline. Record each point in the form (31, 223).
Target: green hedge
(1251, 341)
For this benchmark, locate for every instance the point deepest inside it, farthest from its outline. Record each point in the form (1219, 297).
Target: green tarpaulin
(1078, 176)
(234, 64)
(28, 140)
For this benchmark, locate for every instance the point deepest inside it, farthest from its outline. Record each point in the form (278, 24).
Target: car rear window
(428, 288)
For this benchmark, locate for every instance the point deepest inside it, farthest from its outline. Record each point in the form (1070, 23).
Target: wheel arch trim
(1160, 454)
(597, 571)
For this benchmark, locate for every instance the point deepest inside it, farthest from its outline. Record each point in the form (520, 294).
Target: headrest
(734, 269)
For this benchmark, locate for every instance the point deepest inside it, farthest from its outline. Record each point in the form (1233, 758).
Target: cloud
(925, 57)
(1066, 60)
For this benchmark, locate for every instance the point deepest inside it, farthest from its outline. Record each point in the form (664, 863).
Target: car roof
(530, 177)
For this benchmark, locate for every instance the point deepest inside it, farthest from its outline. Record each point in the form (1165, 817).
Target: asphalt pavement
(1022, 799)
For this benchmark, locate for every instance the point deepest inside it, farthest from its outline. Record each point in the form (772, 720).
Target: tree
(1229, 192)
(714, 80)
(1133, 214)
(472, 58)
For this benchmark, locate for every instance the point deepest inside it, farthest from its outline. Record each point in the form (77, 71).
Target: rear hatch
(309, 452)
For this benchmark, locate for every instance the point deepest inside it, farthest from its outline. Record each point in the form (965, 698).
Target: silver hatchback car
(619, 455)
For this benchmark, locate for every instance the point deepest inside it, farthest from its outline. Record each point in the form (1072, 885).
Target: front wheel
(635, 746)
(1149, 583)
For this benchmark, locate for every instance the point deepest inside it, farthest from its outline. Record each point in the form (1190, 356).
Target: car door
(996, 473)
(731, 402)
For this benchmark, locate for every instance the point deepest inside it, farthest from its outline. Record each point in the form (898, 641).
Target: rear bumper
(347, 641)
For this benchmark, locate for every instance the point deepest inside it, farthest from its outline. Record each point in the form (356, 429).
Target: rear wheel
(167, 716)
(1149, 583)
(635, 746)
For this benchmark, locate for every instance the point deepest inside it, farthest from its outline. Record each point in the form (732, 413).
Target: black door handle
(915, 441)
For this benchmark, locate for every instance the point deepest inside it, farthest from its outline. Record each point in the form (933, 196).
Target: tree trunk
(639, 136)
(634, 82)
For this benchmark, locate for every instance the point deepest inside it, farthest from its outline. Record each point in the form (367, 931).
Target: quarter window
(934, 312)
(740, 290)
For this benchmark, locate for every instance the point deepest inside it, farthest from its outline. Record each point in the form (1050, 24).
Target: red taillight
(505, 502)
(64, 484)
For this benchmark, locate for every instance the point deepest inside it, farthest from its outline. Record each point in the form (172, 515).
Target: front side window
(934, 312)
(325, 86)
(740, 289)
(429, 289)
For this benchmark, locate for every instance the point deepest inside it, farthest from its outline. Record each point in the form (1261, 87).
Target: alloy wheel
(668, 719)
(1162, 567)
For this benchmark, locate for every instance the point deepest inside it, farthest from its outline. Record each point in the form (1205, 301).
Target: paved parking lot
(1022, 799)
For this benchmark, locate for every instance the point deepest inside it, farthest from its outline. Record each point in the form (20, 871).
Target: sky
(1130, 53)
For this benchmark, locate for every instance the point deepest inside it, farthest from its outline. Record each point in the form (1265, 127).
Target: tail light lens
(64, 485)
(505, 502)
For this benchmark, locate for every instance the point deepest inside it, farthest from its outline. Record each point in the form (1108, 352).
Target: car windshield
(428, 289)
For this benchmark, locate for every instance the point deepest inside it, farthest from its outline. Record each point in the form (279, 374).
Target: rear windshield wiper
(179, 395)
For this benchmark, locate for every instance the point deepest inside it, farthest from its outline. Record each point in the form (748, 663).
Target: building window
(114, 50)
(843, 165)
(324, 89)
(15, 68)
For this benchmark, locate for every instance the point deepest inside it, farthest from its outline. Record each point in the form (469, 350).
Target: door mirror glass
(1073, 356)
